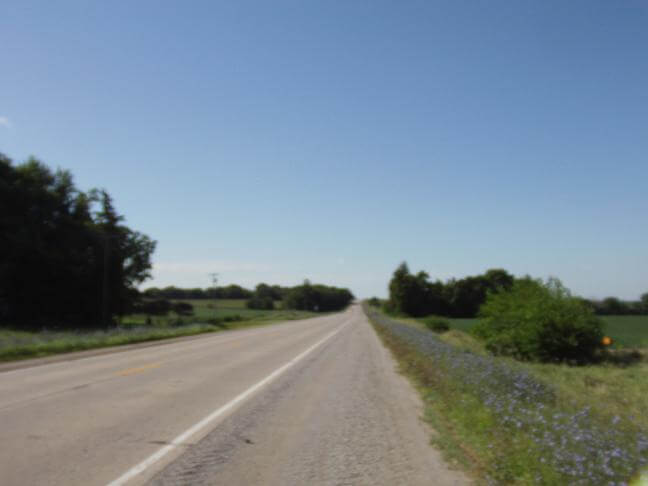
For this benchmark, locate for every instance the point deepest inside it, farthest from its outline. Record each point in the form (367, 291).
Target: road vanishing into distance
(306, 402)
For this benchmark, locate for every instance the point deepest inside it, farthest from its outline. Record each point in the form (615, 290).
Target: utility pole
(214, 279)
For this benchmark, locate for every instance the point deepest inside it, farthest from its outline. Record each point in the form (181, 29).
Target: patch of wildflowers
(575, 443)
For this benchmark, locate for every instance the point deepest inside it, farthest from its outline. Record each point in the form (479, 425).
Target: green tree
(539, 321)
(55, 250)
(318, 298)
(643, 300)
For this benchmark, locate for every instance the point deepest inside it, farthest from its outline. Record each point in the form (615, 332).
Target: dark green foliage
(229, 292)
(540, 322)
(219, 321)
(318, 298)
(613, 306)
(374, 302)
(644, 303)
(272, 292)
(262, 303)
(415, 295)
(176, 293)
(67, 259)
(182, 308)
(436, 324)
(265, 295)
(157, 307)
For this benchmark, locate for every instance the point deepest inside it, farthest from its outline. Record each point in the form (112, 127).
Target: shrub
(263, 303)
(182, 308)
(436, 324)
(539, 321)
(374, 302)
(177, 322)
(158, 307)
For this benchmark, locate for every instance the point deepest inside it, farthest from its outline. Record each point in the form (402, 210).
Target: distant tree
(266, 291)
(318, 298)
(374, 301)
(182, 308)
(498, 279)
(468, 294)
(156, 307)
(415, 295)
(408, 293)
(644, 303)
(613, 306)
(263, 303)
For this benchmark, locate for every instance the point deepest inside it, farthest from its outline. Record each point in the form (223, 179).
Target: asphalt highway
(305, 402)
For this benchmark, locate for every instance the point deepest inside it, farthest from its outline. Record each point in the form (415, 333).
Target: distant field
(627, 331)
(205, 309)
(232, 314)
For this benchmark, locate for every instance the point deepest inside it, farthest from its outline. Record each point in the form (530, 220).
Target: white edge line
(160, 453)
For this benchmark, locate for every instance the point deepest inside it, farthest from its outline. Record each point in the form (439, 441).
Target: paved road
(305, 402)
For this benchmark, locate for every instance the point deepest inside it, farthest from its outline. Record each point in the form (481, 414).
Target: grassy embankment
(522, 423)
(208, 317)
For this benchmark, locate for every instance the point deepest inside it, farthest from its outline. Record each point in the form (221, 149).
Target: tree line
(176, 293)
(614, 306)
(67, 259)
(417, 295)
(317, 297)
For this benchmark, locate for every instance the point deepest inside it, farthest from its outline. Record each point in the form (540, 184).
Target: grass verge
(505, 423)
(17, 345)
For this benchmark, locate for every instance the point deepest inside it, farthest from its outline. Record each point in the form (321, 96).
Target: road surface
(306, 402)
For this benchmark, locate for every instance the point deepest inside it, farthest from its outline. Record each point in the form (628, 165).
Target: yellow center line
(140, 369)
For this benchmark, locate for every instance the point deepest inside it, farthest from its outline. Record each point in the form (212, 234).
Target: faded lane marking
(141, 369)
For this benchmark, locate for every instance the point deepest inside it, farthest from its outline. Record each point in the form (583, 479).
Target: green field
(205, 310)
(627, 331)
(208, 316)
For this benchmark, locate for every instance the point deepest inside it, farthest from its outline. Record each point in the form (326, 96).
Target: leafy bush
(178, 322)
(436, 324)
(374, 301)
(182, 308)
(221, 321)
(263, 303)
(158, 307)
(540, 322)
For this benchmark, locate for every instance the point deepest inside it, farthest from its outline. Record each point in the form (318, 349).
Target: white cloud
(4, 122)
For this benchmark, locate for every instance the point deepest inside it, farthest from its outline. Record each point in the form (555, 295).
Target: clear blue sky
(276, 141)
